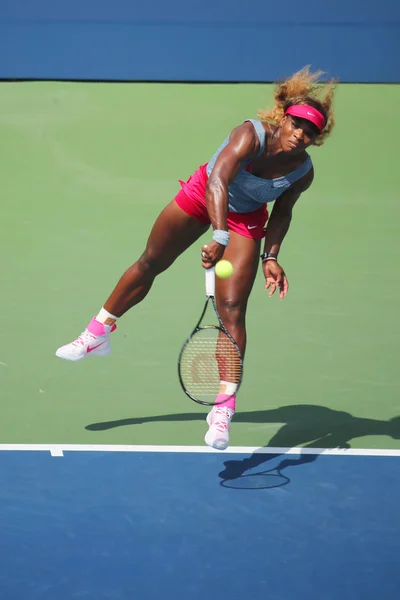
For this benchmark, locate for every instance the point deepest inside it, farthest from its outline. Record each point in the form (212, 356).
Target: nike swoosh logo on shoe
(90, 349)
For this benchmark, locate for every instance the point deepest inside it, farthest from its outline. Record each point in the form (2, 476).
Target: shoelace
(84, 338)
(221, 419)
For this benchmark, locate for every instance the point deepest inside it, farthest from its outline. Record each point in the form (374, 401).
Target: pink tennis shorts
(191, 199)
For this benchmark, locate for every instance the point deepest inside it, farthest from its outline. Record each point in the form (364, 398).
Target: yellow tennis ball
(223, 269)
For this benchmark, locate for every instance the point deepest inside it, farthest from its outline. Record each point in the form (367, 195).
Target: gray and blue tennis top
(248, 192)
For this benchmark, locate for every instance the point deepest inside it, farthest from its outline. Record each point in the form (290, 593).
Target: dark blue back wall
(211, 40)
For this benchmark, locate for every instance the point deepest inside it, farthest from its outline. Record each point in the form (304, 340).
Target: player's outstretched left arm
(277, 227)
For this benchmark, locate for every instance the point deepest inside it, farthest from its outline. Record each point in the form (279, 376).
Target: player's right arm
(243, 145)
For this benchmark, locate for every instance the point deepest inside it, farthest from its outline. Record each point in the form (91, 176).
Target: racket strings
(208, 358)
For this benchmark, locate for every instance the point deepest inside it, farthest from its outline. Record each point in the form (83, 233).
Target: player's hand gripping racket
(210, 362)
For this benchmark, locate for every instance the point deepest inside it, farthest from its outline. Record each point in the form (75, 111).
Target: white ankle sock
(106, 318)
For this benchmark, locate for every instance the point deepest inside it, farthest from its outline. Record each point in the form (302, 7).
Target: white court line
(56, 452)
(59, 449)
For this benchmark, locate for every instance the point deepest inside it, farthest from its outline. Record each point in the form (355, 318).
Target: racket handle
(210, 282)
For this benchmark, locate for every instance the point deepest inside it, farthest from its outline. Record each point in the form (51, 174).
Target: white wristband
(221, 236)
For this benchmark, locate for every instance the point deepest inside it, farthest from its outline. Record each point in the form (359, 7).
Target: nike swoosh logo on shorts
(90, 349)
(251, 226)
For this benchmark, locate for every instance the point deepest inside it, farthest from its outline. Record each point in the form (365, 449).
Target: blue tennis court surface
(171, 525)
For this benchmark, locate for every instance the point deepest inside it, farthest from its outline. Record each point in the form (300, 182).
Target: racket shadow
(264, 480)
(236, 476)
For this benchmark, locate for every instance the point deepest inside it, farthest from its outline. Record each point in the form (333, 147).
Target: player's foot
(219, 422)
(94, 341)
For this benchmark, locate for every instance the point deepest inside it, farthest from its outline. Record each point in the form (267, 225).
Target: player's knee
(151, 264)
(232, 311)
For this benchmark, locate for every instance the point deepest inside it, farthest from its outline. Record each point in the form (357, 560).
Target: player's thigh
(172, 233)
(243, 253)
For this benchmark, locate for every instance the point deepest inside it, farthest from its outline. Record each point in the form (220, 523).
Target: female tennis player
(260, 162)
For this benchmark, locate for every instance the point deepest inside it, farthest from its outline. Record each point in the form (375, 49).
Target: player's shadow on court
(307, 426)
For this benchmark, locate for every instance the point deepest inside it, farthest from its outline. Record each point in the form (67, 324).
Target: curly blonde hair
(304, 87)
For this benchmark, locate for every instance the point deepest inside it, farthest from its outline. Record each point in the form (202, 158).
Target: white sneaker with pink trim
(219, 423)
(94, 341)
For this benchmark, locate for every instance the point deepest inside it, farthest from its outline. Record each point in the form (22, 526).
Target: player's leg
(172, 233)
(232, 296)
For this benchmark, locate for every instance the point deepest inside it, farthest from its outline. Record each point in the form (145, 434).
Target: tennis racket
(210, 361)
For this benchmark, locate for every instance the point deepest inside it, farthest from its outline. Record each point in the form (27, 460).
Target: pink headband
(307, 112)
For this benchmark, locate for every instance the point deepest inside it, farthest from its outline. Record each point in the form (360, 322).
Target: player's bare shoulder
(245, 137)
